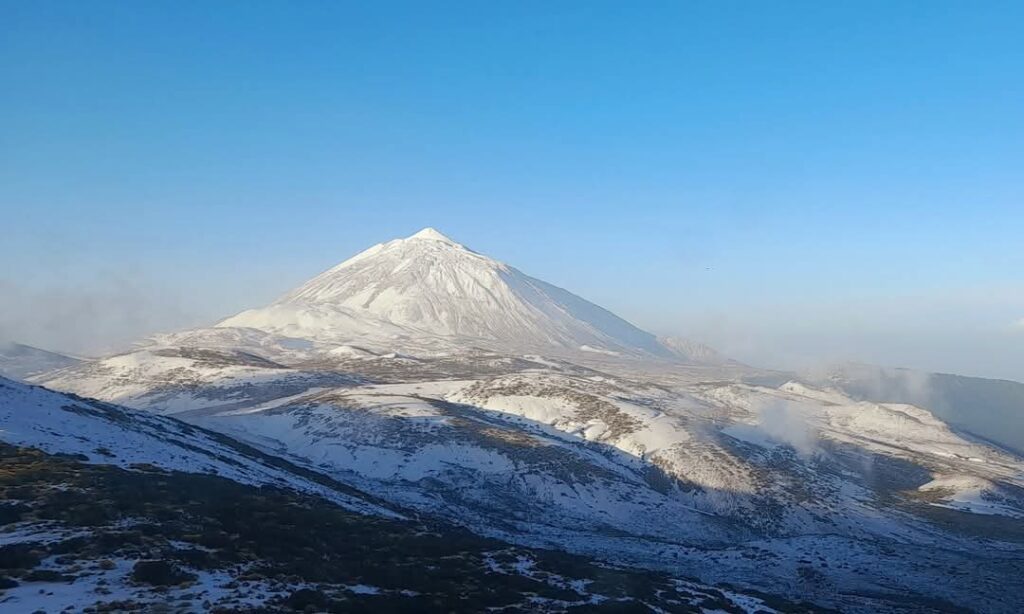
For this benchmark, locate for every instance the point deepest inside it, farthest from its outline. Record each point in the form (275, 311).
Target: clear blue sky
(798, 181)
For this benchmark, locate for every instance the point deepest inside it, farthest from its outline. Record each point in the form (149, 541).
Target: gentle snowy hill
(427, 286)
(21, 362)
(988, 408)
(694, 352)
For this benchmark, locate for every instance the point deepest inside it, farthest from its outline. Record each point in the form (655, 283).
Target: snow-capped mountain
(444, 382)
(426, 287)
(19, 361)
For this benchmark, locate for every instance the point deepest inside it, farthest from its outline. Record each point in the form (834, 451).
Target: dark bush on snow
(306, 598)
(12, 512)
(160, 573)
(46, 575)
(18, 556)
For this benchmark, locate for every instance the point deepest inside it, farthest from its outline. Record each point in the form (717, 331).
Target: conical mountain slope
(429, 286)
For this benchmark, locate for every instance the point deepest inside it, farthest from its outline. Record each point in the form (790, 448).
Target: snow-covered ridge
(21, 362)
(177, 378)
(57, 423)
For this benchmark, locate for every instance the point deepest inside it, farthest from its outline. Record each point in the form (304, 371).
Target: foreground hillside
(78, 535)
(86, 526)
(792, 490)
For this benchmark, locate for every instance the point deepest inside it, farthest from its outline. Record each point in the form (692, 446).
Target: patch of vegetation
(18, 556)
(160, 573)
(12, 512)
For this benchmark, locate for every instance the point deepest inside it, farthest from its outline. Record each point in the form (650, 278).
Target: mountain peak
(432, 234)
(427, 287)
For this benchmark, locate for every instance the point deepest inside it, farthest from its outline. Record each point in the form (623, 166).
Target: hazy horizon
(142, 312)
(840, 187)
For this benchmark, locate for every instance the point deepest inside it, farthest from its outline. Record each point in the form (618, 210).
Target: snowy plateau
(520, 448)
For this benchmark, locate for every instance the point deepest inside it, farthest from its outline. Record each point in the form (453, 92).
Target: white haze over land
(970, 331)
(104, 315)
(787, 423)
